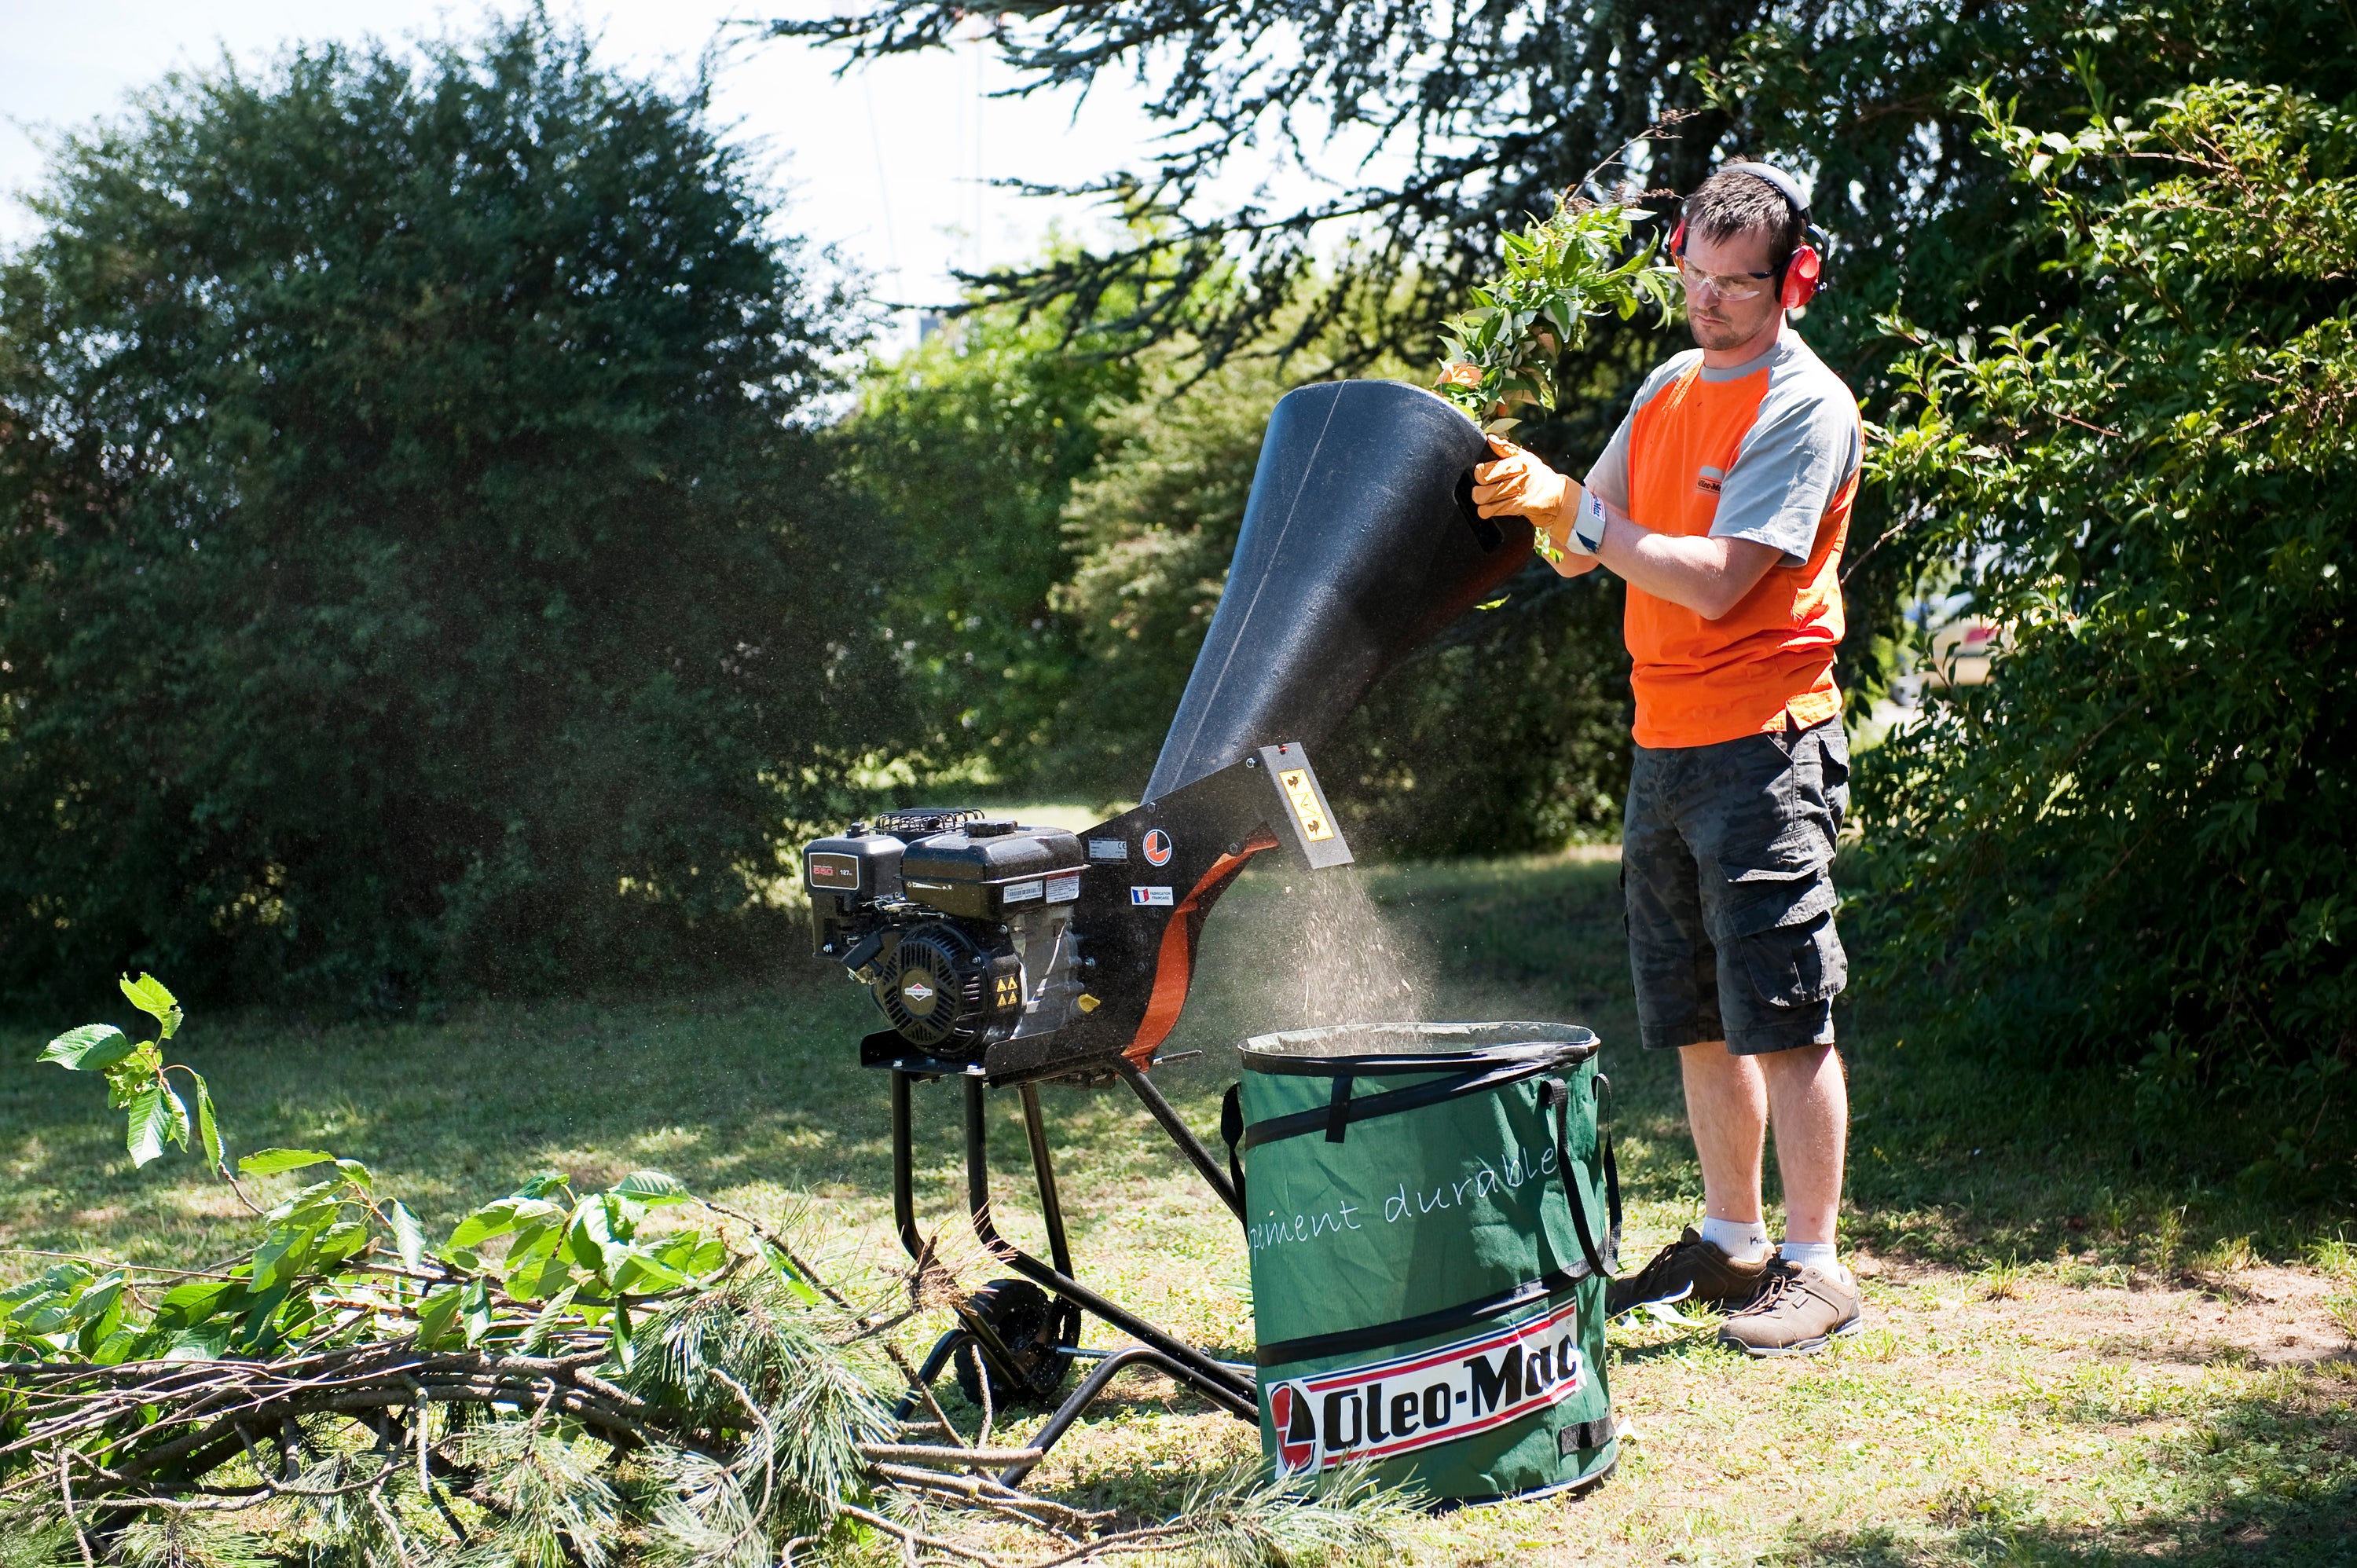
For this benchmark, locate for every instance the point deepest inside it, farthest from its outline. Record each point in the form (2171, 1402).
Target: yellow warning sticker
(1314, 825)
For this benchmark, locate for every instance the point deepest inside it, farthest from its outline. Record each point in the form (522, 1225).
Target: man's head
(1740, 234)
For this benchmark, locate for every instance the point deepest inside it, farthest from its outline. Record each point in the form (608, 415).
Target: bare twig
(65, 1493)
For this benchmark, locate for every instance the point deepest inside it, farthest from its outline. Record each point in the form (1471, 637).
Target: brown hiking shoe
(1799, 1311)
(1688, 1269)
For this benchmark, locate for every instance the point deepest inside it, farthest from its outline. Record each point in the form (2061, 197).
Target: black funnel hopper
(1359, 542)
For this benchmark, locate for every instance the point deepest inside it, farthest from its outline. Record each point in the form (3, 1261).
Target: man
(1722, 501)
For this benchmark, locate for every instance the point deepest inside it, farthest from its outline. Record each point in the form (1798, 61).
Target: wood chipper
(1003, 955)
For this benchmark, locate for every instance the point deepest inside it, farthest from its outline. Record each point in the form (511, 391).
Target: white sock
(1801, 1254)
(1745, 1241)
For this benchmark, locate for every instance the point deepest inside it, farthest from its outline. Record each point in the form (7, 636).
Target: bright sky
(884, 162)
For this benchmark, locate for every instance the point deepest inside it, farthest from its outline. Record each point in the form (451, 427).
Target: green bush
(965, 449)
(2134, 846)
(415, 569)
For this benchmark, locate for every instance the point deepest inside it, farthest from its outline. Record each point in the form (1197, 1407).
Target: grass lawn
(2078, 1350)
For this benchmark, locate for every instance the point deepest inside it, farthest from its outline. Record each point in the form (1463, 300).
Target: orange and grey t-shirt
(1767, 451)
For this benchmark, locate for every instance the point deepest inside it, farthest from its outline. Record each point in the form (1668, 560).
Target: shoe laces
(1782, 1280)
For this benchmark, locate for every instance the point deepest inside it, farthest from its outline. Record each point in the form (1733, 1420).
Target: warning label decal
(1298, 790)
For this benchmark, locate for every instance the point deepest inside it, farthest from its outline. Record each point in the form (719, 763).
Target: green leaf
(498, 1219)
(788, 1276)
(409, 1237)
(101, 1295)
(91, 1048)
(357, 1174)
(475, 1307)
(208, 1129)
(177, 1113)
(653, 1187)
(63, 1277)
(590, 1233)
(434, 1319)
(147, 994)
(340, 1242)
(149, 1124)
(319, 1201)
(282, 1250)
(638, 1273)
(205, 1342)
(544, 1322)
(538, 1277)
(270, 1162)
(197, 1301)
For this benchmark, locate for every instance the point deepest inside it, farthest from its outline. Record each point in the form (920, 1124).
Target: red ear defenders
(1804, 273)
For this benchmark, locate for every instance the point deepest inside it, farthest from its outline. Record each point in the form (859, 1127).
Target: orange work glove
(1519, 484)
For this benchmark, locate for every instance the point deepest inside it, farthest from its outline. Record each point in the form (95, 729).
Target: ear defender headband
(1804, 271)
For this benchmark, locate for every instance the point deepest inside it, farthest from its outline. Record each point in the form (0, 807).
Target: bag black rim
(1557, 1044)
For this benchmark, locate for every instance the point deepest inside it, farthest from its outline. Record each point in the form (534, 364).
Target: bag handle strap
(1611, 1173)
(1555, 1095)
(1231, 1130)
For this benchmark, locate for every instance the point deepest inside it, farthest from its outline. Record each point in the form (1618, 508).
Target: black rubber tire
(1034, 1327)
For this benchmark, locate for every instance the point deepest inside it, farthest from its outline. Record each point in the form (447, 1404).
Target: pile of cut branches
(559, 1381)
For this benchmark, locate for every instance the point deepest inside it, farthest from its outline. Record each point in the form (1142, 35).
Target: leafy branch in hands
(559, 1380)
(1561, 274)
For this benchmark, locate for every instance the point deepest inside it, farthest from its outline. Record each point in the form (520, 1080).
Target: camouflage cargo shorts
(1727, 870)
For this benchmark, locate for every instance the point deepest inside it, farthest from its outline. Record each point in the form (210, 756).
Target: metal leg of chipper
(1205, 1164)
(972, 1324)
(1212, 1379)
(1091, 1389)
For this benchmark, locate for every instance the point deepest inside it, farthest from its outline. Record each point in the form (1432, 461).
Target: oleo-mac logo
(1433, 1396)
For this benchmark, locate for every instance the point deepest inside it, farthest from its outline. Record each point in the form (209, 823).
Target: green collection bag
(1431, 1219)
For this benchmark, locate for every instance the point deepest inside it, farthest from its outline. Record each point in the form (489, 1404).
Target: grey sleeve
(1800, 452)
(1609, 475)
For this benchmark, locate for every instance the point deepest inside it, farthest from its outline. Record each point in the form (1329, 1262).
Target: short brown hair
(1733, 202)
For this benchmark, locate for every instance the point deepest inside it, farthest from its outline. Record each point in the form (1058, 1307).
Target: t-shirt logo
(1709, 480)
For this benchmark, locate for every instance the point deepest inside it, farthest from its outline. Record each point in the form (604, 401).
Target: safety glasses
(1727, 285)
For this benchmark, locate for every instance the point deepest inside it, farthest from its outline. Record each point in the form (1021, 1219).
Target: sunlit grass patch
(2091, 1410)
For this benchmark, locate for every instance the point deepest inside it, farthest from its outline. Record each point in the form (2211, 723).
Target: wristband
(1587, 527)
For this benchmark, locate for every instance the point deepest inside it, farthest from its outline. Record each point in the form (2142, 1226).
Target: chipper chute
(1003, 954)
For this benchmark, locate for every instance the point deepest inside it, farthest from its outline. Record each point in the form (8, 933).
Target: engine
(1028, 952)
(959, 925)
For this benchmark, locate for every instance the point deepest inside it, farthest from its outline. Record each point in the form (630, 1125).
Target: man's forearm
(1707, 575)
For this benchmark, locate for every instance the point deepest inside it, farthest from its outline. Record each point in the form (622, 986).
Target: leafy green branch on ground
(556, 1380)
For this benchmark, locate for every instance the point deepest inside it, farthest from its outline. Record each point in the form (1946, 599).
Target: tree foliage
(2135, 845)
(1487, 115)
(414, 572)
(967, 448)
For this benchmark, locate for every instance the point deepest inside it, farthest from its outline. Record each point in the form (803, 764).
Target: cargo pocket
(1799, 965)
(1781, 917)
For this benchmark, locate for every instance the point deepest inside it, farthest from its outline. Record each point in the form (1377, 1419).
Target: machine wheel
(1034, 1327)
